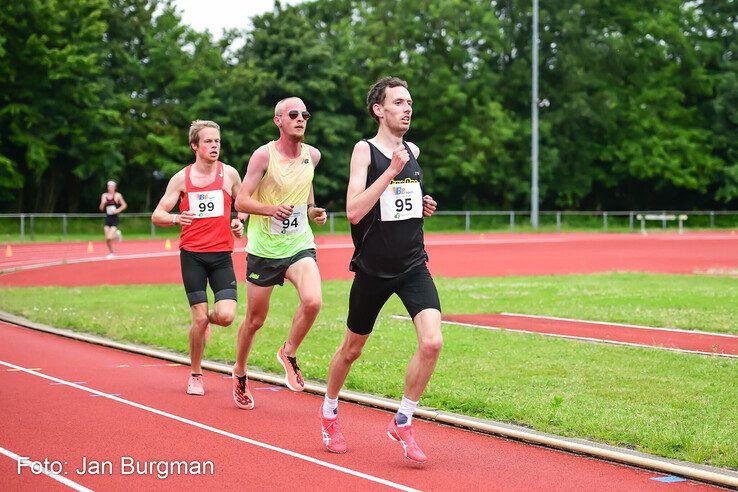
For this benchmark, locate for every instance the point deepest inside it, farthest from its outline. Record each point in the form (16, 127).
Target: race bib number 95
(206, 203)
(294, 224)
(401, 201)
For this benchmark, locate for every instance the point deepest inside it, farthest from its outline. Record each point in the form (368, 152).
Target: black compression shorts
(112, 220)
(415, 288)
(200, 268)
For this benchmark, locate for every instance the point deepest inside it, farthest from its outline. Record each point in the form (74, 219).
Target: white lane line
(584, 339)
(640, 327)
(58, 478)
(215, 430)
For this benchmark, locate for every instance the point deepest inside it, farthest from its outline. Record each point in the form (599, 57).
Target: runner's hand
(429, 205)
(185, 218)
(317, 215)
(281, 212)
(400, 156)
(237, 227)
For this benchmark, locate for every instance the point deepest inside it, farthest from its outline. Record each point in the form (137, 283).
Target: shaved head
(279, 108)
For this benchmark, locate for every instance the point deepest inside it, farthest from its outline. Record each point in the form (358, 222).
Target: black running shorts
(112, 220)
(266, 272)
(415, 288)
(200, 268)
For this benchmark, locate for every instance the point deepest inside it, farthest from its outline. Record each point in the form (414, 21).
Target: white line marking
(585, 339)
(58, 478)
(215, 430)
(640, 327)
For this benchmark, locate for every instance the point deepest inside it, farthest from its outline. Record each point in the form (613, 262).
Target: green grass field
(675, 405)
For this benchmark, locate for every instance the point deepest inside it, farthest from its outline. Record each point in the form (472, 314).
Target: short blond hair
(198, 125)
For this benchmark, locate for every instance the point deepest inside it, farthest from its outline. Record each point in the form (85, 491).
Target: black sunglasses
(295, 113)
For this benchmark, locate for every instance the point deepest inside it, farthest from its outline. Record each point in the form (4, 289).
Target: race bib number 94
(401, 201)
(206, 203)
(294, 224)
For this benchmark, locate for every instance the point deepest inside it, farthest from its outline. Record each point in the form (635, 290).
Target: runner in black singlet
(386, 205)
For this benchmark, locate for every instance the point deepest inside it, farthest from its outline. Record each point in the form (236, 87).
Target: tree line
(639, 99)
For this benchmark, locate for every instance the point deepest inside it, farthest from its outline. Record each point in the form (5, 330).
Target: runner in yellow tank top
(287, 181)
(277, 193)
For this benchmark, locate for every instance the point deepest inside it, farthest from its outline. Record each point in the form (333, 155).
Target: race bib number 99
(294, 224)
(206, 203)
(401, 201)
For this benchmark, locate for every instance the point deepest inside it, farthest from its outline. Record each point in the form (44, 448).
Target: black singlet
(388, 249)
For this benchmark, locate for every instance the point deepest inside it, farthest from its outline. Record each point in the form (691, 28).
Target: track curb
(703, 473)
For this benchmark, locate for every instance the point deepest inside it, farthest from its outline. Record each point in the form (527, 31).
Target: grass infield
(675, 405)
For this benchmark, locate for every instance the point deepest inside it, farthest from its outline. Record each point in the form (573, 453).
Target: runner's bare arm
(102, 202)
(123, 205)
(316, 214)
(236, 224)
(235, 188)
(254, 172)
(359, 198)
(161, 216)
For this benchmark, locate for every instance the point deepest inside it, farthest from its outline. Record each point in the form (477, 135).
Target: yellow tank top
(286, 182)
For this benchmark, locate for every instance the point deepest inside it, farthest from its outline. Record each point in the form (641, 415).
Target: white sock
(405, 412)
(330, 407)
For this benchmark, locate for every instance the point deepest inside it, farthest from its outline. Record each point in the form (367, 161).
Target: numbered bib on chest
(109, 209)
(206, 203)
(401, 201)
(294, 224)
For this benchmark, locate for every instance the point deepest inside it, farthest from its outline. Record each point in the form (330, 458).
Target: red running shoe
(404, 435)
(292, 374)
(332, 437)
(241, 394)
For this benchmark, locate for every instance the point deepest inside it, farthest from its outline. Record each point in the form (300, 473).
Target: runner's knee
(311, 304)
(224, 315)
(431, 346)
(349, 354)
(200, 320)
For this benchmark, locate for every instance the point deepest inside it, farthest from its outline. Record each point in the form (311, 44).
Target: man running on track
(204, 190)
(112, 203)
(277, 192)
(385, 205)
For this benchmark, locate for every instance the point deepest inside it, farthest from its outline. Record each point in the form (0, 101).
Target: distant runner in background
(112, 203)
(204, 190)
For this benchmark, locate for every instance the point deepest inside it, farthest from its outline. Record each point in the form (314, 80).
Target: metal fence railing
(66, 226)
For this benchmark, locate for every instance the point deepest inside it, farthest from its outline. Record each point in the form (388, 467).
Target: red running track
(451, 255)
(695, 341)
(45, 419)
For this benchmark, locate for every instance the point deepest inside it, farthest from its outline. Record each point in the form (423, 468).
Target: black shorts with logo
(200, 268)
(266, 272)
(415, 288)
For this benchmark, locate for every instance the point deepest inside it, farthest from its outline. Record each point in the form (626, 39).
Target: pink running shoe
(241, 394)
(195, 385)
(332, 437)
(404, 435)
(292, 374)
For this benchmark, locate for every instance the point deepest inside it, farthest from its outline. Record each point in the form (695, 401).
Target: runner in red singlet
(205, 191)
